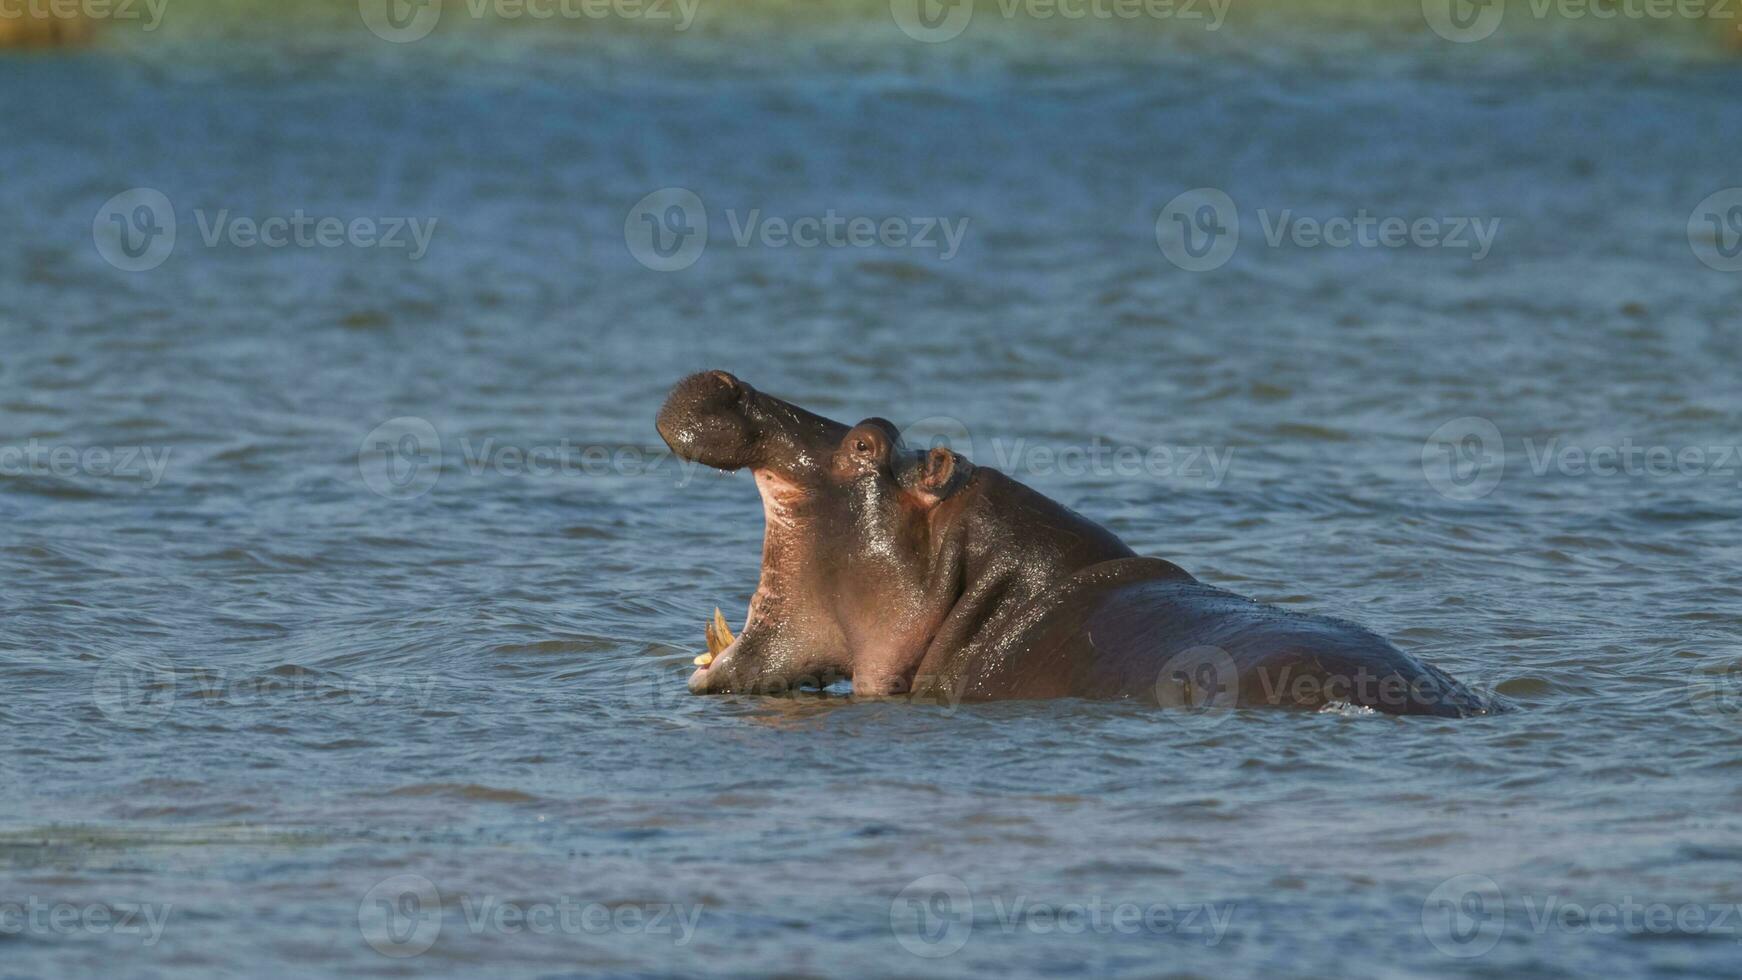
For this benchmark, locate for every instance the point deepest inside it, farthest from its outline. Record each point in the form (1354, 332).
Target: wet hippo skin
(921, 574)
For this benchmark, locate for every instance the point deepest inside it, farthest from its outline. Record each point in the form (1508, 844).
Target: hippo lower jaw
(700, 680)
(733, 664)
(717, 669)
(769, 655)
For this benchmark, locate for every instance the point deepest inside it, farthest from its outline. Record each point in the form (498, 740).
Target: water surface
(249, 688)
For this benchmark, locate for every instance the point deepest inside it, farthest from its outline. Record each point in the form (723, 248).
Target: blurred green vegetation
(1601, 27)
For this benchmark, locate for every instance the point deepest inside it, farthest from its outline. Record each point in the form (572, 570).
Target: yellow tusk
(719, 638)
(719, 634)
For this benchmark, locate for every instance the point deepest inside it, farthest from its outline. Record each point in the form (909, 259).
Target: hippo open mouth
(715, 419)
(918, 573)
(851, 585)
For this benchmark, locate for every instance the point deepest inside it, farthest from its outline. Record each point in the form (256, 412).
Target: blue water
(310, 720)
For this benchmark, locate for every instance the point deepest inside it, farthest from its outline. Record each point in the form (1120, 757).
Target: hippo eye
(866, 445)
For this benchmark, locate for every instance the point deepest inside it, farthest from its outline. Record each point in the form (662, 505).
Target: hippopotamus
(917, 573)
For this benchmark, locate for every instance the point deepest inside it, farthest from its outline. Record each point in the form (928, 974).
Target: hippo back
(1141, 628)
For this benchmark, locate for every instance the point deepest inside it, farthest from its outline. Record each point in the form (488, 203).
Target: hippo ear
(941, 473)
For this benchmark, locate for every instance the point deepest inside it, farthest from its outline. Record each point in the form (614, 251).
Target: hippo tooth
(719, 634)
(719, 638)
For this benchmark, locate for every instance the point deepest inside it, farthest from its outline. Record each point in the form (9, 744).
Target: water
(247, 695)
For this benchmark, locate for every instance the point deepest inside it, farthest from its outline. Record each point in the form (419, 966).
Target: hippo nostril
(711, 391)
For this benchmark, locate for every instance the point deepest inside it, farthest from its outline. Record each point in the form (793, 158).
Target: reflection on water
(315, 695)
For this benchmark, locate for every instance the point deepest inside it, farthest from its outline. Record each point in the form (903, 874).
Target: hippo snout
(705, 420)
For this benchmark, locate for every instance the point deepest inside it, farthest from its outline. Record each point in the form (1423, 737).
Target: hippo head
(861, 553)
